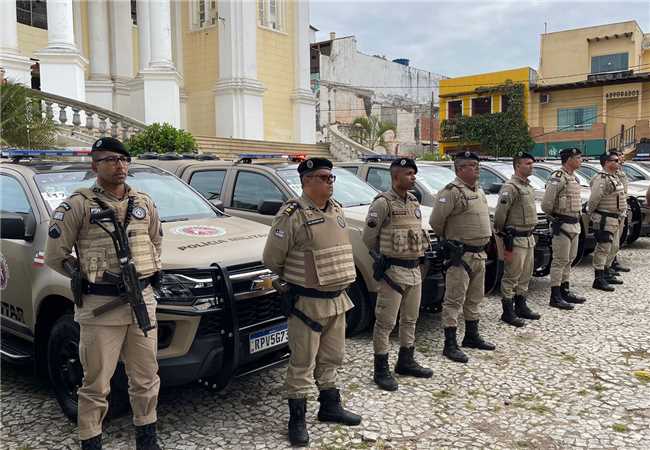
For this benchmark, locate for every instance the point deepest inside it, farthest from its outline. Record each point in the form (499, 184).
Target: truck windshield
(435, 177)
(348, 189)
(174, 199)
(507, 170)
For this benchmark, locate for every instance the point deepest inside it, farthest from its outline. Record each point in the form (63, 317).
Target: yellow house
(473, 95)
(593, 89)
(236, 69)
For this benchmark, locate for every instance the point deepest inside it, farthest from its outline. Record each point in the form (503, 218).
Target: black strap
(390, 282)
(607, 214)
(315, 293)
(516, 233)
(473, 248)
(129, 208)
(408, 263)
(110, 290)
(565, 219)
(448, 264)
(315, 326)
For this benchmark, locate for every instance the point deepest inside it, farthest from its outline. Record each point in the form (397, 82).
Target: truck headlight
(196, 290)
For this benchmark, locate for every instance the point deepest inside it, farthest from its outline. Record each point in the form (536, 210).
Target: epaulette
(557, 174)
(411, 196)
(291, 207)
(336, 202)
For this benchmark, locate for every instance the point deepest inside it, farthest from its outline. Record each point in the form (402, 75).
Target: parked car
(218, 316)
(256, 186)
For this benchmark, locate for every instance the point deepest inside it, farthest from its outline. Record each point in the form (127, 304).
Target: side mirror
(269, 207)
(12, 226)
(218, 204)
(494, 188)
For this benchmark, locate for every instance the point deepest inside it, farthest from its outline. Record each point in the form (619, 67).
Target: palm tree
(22, 123)
(370, 131)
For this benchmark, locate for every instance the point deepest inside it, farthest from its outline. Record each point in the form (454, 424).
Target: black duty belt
(473, 248)
(522, 233)
(110, 290)
(566, 219)
(408, 263)
(308, 292)
(608, 214)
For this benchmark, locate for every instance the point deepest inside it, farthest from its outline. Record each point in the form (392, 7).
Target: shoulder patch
(54, 231)
(557, 174)
(291, 208)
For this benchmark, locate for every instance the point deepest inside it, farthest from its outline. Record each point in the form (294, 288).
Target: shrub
(161, 138)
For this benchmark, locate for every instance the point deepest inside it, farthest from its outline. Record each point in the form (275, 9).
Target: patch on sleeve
(58, 215)
(442, 199)
(139, 213)
(54, 232)
(371, 222)
(280, 234)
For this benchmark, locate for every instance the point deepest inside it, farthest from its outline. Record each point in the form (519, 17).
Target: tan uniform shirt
(289, 231)
(625, 181)
(562, 196)
(516, 208)
(68, 222)
(467, 207)
(607, 195)
(378, 217)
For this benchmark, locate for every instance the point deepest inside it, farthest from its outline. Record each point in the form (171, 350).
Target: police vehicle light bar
(379, 158)
(248, 158)
(21, 153)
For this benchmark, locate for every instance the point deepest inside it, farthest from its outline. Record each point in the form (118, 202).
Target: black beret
(466, 154)
(404, 162)
(109, 144)
(569, 152)
(524, 155)
(311, 164)
(605, 156)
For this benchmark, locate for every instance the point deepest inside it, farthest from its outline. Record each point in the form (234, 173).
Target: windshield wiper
(179, 219)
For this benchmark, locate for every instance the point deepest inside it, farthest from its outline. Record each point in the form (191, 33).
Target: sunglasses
(115, 159)
(325, 178)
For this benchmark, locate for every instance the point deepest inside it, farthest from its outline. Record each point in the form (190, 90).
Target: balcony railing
(622, 140)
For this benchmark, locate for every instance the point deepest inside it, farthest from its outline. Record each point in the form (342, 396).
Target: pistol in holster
(454, 251)
(288, 299)
(71, 266)
(508, 236)
(601, 235)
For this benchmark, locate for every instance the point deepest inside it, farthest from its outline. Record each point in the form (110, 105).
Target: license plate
(267, 338)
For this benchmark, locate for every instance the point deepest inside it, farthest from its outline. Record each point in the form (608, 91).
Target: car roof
(37, 166)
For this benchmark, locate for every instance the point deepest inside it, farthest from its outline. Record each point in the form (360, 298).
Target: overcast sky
(463, 37)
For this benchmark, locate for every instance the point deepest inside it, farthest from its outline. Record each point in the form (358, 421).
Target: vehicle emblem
(199, 230)
(262, 283)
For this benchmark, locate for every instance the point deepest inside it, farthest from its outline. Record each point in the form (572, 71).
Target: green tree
(370, 131)
(499, 134)
(161, 138)
(22, 122)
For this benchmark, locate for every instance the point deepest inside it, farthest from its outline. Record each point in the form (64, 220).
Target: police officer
(394, 230)
(460, 216)
(309, 248)
(113, 334)
(561, 204)
(606, 205)
(612, 260)
(514, 221)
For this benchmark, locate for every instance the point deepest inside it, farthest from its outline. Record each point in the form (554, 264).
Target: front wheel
(66, 373)
(358, 318)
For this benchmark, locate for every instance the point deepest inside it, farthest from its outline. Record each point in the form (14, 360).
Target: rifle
(127, 280)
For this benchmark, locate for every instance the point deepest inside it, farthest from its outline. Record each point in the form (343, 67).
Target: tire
(493, 268)
(634, 231)
(625, 232)
(581, 249)
(66, 373)
(358, 318)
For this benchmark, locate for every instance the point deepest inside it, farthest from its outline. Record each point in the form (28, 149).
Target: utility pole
(431, 125)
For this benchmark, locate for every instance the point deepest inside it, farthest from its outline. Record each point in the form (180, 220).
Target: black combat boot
(474, 340)
(508, 315)
(451, 349)
(600, 282)
(617, 266)
(522, 310)
(610, 276)
(406, 364)
(94, 443)
(382, 377)
(331, 409)
(557, 301)
(297, 427)
(145, 437)
(569, 296)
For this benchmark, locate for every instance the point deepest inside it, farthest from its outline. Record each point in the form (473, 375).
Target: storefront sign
(622, 94)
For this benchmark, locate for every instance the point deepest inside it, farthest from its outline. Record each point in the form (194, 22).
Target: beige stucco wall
(275, 69)
(31, 40)
(570, 98)
(621, 112)
(567, 53)
(201, 71)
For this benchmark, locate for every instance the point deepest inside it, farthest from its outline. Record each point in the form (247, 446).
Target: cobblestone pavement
(566, 381)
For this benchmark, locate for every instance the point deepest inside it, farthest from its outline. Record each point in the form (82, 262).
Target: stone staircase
(230, 149)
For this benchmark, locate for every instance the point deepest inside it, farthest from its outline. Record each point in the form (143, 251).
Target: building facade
(593, 90)
(227, 68)
(349, 84)
(474, 95)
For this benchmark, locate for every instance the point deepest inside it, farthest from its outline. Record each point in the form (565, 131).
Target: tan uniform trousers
(464, 291)
(389, 304)
(605, 251)
(616, 243)
(314, 355)
(517, 273)
(565, 250)
(100, 347)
